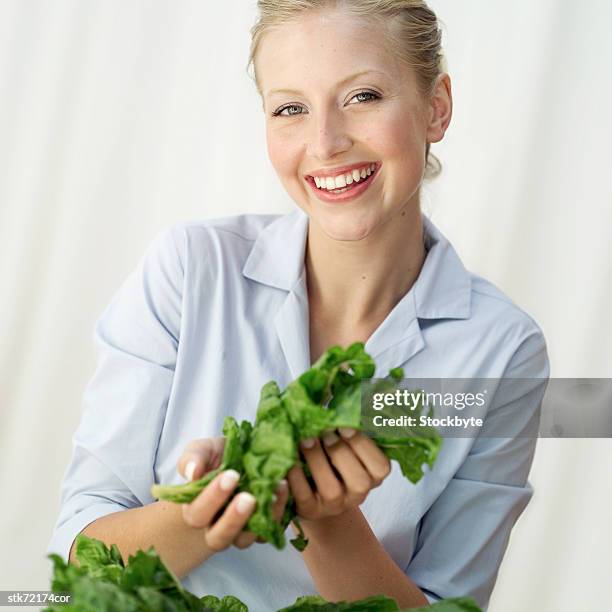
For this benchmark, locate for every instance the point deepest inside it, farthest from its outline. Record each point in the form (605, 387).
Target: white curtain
(119, 118)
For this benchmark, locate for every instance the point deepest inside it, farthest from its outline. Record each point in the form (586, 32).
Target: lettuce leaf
(325, 397)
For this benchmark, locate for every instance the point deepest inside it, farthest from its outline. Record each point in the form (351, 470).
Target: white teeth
(342, 180)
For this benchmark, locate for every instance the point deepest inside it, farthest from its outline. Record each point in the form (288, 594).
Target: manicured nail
(228, 480)
(281, 487)
(347, 432)
(190, 469)
(330, 438)
(308, 443)
(245, 503)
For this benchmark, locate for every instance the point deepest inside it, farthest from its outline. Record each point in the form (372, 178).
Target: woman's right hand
(200, 457)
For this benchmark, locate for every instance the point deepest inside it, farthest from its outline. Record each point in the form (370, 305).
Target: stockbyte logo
(488, 407)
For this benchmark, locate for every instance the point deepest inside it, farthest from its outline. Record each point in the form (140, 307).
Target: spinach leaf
(325, 397)
(102, 582)
(145, 584)
(377, 603)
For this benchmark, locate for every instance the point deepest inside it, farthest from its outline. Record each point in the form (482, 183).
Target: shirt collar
(442, 290)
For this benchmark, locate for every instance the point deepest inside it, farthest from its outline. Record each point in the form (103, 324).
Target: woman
(354, 94)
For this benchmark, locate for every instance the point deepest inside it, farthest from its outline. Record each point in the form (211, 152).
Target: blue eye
(289, 107)
(284, 108)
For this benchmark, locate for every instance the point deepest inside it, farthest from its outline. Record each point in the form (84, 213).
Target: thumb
(201, 456)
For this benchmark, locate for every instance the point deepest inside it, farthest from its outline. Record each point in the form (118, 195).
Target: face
(346, 126)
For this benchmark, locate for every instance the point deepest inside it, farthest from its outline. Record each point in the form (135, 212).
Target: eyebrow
(344, 81)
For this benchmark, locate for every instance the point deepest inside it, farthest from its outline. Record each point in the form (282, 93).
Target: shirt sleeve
(124, 404)
(464, 534)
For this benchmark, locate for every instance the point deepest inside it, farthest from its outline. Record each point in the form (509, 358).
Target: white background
(119, 118)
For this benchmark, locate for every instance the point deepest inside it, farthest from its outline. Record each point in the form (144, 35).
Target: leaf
(457, 604)
(98, 560)
(327, 396)
(315, 603)
(300, 541)
(147, 569)
(228, 603)
(91, 595)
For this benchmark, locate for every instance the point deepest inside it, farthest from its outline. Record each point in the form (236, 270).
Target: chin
(344, 227)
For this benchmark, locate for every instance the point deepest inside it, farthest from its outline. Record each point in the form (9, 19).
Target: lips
(343, 194)
(325, 172)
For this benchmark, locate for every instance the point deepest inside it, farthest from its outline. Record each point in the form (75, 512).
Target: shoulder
(499, 317)
(490, 301)
(244, 227)
(208, 240)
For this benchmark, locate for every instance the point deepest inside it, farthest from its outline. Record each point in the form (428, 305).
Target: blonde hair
(414, 37)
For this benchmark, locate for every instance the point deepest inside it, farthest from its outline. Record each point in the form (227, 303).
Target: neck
(368, 277)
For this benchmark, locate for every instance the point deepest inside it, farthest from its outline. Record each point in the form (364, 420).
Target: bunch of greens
(377, 603)
(103, 583)
(325, 397)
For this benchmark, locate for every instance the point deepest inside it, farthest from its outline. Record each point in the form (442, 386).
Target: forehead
(323, 46)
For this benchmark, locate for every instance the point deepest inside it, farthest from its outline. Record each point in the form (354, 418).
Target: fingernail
(245, 503)
(228, 480)
(190, 469)
(330, 438)
(274, 498)
(283, 484)
(347, 432)
(308, 443)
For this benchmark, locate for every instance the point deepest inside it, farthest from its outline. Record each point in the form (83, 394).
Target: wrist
(329, 524)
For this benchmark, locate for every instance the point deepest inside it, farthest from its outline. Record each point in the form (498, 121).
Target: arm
(160, 524)
(106, 492)
(337, 548)
(464, 534)
(184, 535)
(124, 405)
(344, 557)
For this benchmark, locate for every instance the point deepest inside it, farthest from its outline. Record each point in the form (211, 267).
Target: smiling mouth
(345, 181)
(344, 187)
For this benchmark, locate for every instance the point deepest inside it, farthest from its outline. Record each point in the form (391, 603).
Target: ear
(440, 109)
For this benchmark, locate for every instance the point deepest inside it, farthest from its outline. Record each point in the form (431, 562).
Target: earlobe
(441, 109)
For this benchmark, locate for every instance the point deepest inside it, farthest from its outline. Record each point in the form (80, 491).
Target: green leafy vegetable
(103, 583)
(377, 603)
(315, 603)
(325, 397)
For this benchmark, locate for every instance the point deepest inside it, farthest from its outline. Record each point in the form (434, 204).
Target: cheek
(283, 153)
(398, 137)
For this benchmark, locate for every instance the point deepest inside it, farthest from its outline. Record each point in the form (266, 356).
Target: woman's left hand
(360, 466)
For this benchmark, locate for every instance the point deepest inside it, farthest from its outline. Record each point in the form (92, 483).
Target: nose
(327, 135)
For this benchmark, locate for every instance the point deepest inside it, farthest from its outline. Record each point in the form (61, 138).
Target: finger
(373, 459)
(244, 539)
(282, 495)
(201, 511)
(357, 480)
(201, 456)
(223, 533)
(306, 502)
(329, 488)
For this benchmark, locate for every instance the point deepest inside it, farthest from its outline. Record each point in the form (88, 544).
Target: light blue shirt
(217, 308)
